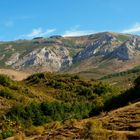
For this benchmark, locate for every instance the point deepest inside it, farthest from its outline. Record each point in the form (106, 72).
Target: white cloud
(134, 29)
(75, 31)
(38, 32)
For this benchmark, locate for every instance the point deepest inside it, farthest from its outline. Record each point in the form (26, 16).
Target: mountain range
(91, 55)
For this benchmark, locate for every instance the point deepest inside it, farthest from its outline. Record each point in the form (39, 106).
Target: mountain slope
(41, 102)
(45, 97)
(15, 75)
(122, 123)
(107, 55)
(92, 54)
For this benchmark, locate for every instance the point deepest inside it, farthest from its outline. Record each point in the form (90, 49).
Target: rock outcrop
(55, 58)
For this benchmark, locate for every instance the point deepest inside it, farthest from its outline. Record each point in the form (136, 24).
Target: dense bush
(131, 95)
(102, 89)
(7, 133)
(40, 113)
(137, 82)
(8, 82)
(75, 99)
(5, 80)
(6, 93)
(6, 130)
(85, 91)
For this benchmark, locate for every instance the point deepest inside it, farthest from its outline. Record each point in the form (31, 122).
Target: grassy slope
(122, 123)
(122, 79)
(64, 89)
(54, 89)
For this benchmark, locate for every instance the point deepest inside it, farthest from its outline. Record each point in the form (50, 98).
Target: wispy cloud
(38, 32)
(9, 23)
(134, 29)
(24, 17)
(75, 31)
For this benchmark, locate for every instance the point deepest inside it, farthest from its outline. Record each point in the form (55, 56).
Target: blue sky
(25, 19)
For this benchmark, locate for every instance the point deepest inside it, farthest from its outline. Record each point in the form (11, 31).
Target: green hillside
(123, 79)
(44, 98)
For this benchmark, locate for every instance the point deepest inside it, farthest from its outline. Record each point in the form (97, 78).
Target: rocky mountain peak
(108, 37)
(105, 44)
(127, 50)
(132, 41)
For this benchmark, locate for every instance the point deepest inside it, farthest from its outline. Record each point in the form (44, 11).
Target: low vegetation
(46, 97)
(135, 70)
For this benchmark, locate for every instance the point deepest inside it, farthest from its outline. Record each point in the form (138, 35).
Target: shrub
(75, 77)
(6, 93)
(40, 113)
(137, 82)
(7, 133)
(102, 89)
(1, 137)
(6, 81)
(85, 91)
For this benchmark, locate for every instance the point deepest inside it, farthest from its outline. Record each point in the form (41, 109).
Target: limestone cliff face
(13, 59)
(109, 46)
(56, 58)
(128, 50)
(101, 47)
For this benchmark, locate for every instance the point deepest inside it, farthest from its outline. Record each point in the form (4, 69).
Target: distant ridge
(95, 53)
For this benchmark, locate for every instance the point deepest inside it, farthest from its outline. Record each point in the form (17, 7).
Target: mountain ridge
(66, 54)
